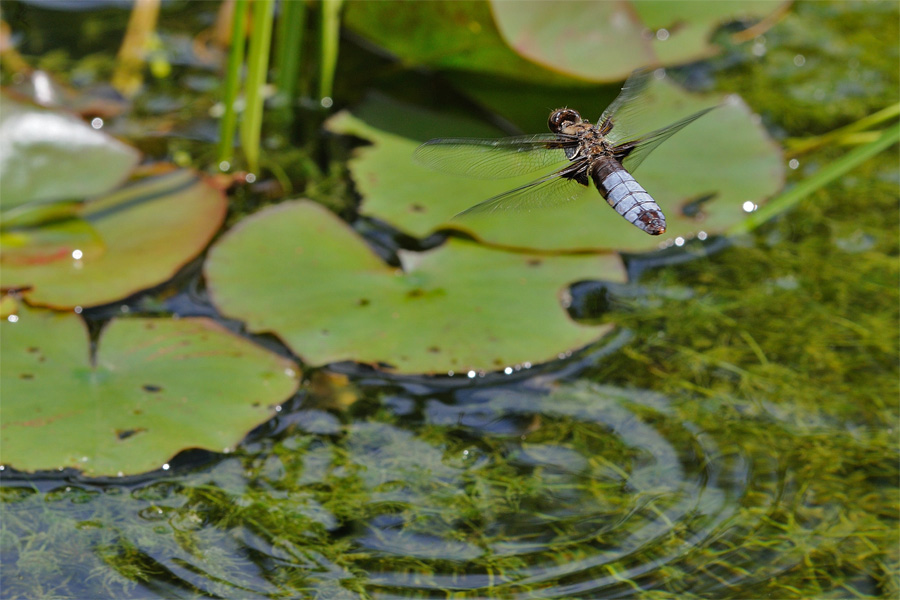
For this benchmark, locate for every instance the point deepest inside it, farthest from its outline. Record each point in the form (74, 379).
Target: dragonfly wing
(625, 110)
(545, 192)
(631, 154)
(493, 158)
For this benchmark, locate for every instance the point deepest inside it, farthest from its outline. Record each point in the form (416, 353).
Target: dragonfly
(605, 153)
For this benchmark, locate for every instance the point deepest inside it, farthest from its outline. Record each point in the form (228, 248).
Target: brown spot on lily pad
(124, 434)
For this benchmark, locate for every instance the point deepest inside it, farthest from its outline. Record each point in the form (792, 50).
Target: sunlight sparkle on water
(794, 163)
(43, 89)
(702, 236)
(662, 35)
(13, 318)
(96, 122)
(679, 241)
(77, 254)
(799, 60)
(508, 370)
(77, 310)
(165, 467)
(749, 207)
(472, 374)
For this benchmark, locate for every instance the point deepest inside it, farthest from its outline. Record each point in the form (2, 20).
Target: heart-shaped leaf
(154, 388)
(146, 231)
(297, 271)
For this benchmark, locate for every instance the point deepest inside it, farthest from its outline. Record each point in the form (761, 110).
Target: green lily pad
(561, 40)
(53, 155)
(154, 388)
(457, 35)
(298, 271)
(701, 177)
(605, 41)
(131, 239)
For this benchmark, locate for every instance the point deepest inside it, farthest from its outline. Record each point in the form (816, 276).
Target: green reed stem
(799, 146)
(228, 124)
(821, 178)
(330, 29)
(288, 42)
(257, 68)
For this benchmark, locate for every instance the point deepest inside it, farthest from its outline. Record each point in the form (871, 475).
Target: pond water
(734, 436)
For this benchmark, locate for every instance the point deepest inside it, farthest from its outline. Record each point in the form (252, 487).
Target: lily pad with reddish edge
(544, 42)
(605, 41)
(148, 230)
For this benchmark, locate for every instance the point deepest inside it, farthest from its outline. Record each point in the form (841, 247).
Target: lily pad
(131, 239)
(605, 41)
(298, 271)
(53, 155)
(540, 41)
(701, 177)
(154, 388)
(468, 36)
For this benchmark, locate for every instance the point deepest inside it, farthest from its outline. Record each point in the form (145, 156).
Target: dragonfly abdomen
(627, 196)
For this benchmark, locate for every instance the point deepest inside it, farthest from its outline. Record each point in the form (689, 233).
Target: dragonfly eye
(562, 118)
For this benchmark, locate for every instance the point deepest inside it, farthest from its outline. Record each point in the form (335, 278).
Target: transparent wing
(493, 158)
(545, 192)
(625, 110)
(633, 153)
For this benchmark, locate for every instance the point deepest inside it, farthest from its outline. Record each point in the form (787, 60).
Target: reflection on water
(526, 489)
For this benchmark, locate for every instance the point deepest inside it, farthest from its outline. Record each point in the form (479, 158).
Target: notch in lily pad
(298, 271)
(154, 388)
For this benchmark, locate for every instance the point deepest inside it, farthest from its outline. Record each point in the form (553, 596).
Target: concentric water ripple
(522, 490)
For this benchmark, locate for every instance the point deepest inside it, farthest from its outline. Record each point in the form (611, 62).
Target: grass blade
(824, 176)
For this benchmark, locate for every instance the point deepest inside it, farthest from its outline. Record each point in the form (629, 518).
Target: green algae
(774, 359)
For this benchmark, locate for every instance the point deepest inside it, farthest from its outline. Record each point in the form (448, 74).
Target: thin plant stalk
(288, 42)
(228, 124)
(128, 76)
(257, 68)
(821, 178)
(330, 29)
(799, 146)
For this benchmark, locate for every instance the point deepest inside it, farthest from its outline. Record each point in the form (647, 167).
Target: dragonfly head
(562, 118)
